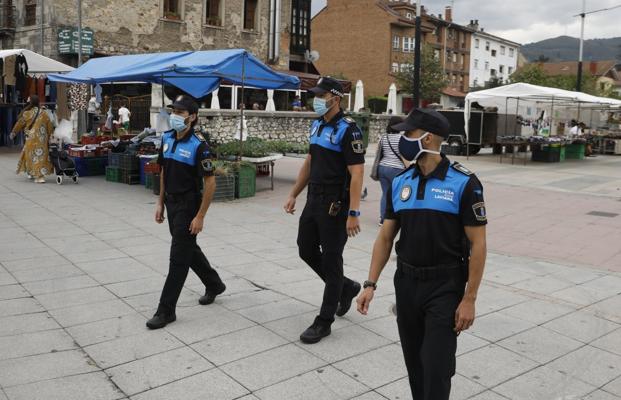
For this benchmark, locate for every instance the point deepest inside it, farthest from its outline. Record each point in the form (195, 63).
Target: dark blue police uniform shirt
(432, 212)
(334, 145)
(185, 162)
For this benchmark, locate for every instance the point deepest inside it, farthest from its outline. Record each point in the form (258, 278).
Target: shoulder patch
(458, 167)
(349, 120)
(199, 136)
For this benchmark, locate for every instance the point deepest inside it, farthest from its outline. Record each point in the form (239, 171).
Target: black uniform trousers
(321, 240)
(184, 252)
(426, 319)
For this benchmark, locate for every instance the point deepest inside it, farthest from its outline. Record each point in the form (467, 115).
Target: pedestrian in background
(391, 163)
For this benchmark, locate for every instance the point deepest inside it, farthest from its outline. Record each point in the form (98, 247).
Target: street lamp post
(582, 16)
(79, 32)
(417, 37)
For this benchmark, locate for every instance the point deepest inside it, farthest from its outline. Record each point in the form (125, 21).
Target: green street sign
(68, 41)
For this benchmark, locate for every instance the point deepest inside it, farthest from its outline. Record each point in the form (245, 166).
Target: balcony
(7, 19)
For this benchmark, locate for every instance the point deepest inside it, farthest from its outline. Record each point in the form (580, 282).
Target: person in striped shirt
(391, 163)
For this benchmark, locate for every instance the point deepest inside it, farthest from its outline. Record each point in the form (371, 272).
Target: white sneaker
(30, 176)
(40, 180)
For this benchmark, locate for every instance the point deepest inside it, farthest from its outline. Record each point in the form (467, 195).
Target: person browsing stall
(333, 172)
(185, 162)
(440, 211)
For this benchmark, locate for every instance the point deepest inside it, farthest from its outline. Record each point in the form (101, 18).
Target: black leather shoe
(347, 298)
(315, 332)
(210, 296)
(160, 320)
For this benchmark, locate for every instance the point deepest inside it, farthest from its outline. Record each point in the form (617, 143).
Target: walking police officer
(439, 208)
(185, 161)
(333, 171)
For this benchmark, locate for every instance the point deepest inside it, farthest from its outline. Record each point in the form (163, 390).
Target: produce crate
(156, 184)
(113, 174)
(96, 166)
(148, 181)
(131, 179)
(130, 162)
(575, 151)
(546, 156)
(225, 188)
(245, 181)
(114, 159)
(147, 165)
(80, 166)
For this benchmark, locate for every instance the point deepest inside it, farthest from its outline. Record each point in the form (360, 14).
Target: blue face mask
(319, 105)
(412, 149)
(177, 122)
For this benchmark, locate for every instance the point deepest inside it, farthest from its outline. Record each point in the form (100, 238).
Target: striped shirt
(389, 158)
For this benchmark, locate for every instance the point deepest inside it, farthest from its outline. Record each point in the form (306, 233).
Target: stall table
(515, 149)
(268, 162)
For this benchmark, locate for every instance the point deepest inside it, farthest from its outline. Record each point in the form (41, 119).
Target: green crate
(556, 148)
(96, 165)
(131, 179)
(246, 181)
(575, 151)
(225, 188)
(148, 181)
(113, 174)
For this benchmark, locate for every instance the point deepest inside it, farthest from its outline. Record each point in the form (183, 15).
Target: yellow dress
(35, 158)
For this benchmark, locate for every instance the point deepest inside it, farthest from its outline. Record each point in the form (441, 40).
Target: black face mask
(412, 149)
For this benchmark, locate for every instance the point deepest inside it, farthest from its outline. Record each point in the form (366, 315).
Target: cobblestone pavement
(81, 268)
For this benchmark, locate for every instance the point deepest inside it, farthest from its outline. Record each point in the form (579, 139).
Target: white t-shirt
(124, 114)
(575, 130)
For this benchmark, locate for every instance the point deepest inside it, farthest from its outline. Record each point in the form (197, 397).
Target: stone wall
(282, 125)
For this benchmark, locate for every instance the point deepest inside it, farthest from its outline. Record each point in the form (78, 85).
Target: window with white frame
(412, 41)
(492, 72)
(486, 46)
(395, 42)
(510, 70)
(476, 64)
(395, 67)
(476, 43)
(493, 53)
(503, 49)
(214, 12)
(501, 69)
(486, 65)
(511, 52)
(408, 44)
(404, 67)
(408, 15)
(454, 57)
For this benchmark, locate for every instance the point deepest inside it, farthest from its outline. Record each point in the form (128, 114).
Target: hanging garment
(35, 158)
(41, 89)
(98, 91)
(21, 73)
(78, 96)
(62, 103)
(9, 70)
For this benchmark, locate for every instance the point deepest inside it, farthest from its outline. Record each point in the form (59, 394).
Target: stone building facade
(143, 26)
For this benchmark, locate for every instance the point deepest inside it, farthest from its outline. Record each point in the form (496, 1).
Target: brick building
(276, 31)
(372, 40)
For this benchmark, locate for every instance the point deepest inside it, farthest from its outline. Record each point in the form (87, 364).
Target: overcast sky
(526, 21)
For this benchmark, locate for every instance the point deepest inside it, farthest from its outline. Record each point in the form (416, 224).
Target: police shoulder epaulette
(458, 167)
(199, 136)
(349, 120)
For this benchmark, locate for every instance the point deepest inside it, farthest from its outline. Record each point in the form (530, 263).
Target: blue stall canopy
(195, 72)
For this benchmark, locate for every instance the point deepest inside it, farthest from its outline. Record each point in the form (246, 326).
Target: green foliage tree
(432, 79)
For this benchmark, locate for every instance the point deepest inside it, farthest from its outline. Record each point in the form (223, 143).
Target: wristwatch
(367, 284)
(354, 213)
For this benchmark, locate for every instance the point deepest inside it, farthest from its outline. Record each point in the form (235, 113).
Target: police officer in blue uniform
(186, 165)
(440, 211)
(333, 172)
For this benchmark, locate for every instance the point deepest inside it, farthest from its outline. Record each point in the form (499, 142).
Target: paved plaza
(82, 266)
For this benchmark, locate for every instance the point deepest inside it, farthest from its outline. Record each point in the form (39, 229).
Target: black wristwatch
(367, 284)
(354, 213)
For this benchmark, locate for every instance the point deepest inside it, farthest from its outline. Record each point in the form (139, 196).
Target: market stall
(22, 73)
(521, 99)
(196, 73)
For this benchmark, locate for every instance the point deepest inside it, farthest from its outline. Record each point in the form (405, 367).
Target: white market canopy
(38, 64)
(500, 97)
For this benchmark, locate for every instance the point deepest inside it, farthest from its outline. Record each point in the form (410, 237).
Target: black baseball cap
(426, 119)
(185, 103)
(328, 84)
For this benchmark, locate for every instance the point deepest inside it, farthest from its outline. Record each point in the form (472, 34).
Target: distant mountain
(565, 48)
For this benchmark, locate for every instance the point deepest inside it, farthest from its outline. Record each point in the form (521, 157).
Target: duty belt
(314, 188)
(440, 271)
(180, 196)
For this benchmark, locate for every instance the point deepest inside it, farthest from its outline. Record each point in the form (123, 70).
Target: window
(250, 14)
(502, 50)
(395, 67)
(214, 12)
(395, 42)
(300, 26)
(463, 60)
(602, 86)
(408, 15)
(501, 69)
(404, 67)
(408, 44)
(493, 53)
(476, 64)
(492, 72)
(486, 65)
(476, 43)
(511, 52)
(510, 70)
(486, 46)
(475, 83)
(454, 57)
(451, 34)
(454, 79)
(436, 54)
(30, 12)
(172, 9)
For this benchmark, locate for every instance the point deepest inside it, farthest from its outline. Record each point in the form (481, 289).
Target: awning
(197, 73)
(38, 64)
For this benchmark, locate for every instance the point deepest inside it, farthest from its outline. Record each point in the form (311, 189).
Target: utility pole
(582, 16)
(417, 37)
(42, 27)
(79, 32)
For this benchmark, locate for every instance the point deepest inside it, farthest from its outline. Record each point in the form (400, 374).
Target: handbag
(28, 131)
(378, 156)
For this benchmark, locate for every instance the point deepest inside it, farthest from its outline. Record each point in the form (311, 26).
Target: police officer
(185, 161)
(333, 171)
(439, 208)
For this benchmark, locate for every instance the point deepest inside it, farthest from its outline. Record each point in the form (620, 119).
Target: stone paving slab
(72, 316)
